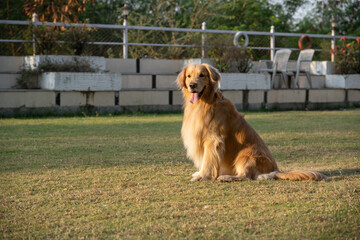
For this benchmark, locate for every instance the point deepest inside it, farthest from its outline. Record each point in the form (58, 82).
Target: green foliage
(45, 38)
(48, 39)
(344, 12)
(55, 10)
(104, 12)
(12, 10)
(228, 58)
(28, 79)
(347, 57)
(78, 37)
(175, 14)
(74, 65)
(255, 15)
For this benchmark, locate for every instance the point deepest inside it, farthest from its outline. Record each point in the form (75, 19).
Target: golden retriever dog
(217, 138)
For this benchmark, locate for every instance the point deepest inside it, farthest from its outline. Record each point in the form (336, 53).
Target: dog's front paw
(199, 177)
(195, 174)
(196, 178)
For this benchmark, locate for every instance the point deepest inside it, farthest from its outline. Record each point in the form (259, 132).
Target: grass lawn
(128, 178)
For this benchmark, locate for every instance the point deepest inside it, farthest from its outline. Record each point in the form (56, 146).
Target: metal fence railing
(28, 38)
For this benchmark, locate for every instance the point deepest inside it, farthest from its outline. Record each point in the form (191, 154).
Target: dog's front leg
(213, 155)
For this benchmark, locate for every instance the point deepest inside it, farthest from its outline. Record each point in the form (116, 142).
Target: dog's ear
(181, 78)
(213, 72)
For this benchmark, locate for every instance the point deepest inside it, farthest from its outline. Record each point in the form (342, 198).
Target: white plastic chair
(278, 66)
(303, 66)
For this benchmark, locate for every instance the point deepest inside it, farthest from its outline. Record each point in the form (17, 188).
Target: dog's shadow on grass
(340, 174)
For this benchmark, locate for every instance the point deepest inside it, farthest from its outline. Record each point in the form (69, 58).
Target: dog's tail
(300, 176)
(294, 176)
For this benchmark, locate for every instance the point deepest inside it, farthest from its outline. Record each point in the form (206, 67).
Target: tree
(55, 10)
(255, 15)
(103, 12)
(12, 10)
(169, 13)
(345, 13)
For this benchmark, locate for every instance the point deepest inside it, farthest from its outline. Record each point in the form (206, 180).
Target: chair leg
(284, 77)
(296, 81)
(272, 83)
(289, 81)
(308, 77)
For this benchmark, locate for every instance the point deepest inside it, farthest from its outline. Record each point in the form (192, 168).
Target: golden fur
(217, 138)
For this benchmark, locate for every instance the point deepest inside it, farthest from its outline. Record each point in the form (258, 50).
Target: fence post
(34, 20)
(333, 25)
(125, 39)
(272, 43)
(203, 39)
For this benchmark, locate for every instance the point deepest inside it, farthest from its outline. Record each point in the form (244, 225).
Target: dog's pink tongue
(194, 97)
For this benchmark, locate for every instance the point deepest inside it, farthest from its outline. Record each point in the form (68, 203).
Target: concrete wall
(151, 84)
(236, 97)
(27, 99)
(160, 66)
(244, 81)
(353, 96)
(118, 65)
(136, 81)
(8, 80)
(159, 100)
(80, 81)
(10, 64)
(286, 96)
(155, 66)
(326, 95)
(147, 81)
(161, 74)
(166, 81)
(139, 98)
(74, 99)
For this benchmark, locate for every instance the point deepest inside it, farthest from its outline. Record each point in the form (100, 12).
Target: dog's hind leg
(229, 178)
(245, 165)
(267, 176)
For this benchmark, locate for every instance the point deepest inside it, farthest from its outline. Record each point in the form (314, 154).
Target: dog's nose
(193, 85)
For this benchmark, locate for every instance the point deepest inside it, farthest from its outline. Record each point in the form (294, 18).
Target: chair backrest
(281, 59)
(305, 55)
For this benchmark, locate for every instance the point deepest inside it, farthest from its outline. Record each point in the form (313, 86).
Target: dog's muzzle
(195, 96)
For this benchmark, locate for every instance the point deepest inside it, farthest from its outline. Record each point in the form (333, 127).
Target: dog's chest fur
(193, 131)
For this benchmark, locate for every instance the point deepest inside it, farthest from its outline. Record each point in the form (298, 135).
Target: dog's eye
(189, 76)
(201, 75)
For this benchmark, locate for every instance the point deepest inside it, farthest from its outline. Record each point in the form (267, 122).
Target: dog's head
(198, 80)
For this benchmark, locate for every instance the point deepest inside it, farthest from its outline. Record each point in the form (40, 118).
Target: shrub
(347, 57)
(229, 58)
(74, 65)
(54, 40)
(28, 79)
(78, 37)
(45, 38)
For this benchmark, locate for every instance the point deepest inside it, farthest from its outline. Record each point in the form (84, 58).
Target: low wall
(155, 66)
(13, 101)
(13, 64)
(8, 80)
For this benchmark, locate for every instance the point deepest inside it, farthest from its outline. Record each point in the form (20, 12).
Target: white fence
(115, 40)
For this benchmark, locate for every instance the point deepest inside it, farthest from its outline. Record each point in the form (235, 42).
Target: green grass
(128, 177)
